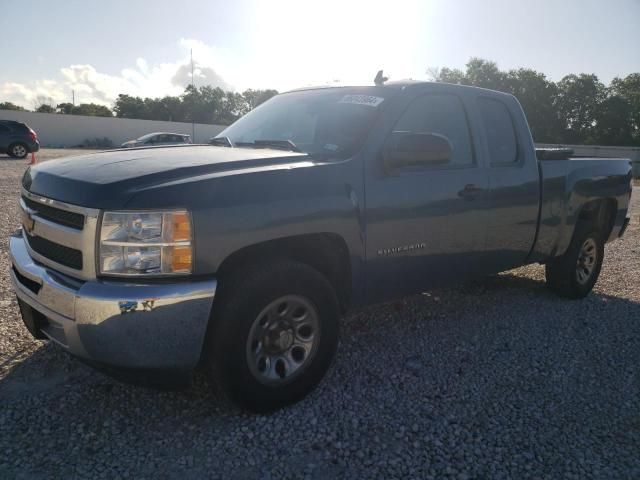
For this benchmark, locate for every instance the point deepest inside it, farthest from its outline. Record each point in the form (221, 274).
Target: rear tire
(274, 334)
(18, 150)
(573, 274)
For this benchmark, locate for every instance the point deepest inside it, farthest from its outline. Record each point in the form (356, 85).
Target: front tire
(18, 150)
(274, 334)
(574, 274)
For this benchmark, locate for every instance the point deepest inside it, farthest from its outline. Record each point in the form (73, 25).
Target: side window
(500, 131)
(4, 130)
(442, 114)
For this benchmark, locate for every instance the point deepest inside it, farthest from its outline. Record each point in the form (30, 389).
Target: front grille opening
(56, 215)
(27, 282)
(69, 257)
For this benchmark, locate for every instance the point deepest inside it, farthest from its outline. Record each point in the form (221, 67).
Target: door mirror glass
(417, 149)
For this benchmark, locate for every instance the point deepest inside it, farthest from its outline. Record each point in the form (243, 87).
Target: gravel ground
(494, 379)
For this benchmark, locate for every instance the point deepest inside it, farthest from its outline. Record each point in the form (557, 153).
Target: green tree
(577, 101)
(44, 108)
(614, 122)
(166, 108)
(11, 106)
(253, 98)
(629, 89)
(451, 75)
(204, 104)
(92, 110)
(485, 74)
(536, 94)
(127, 106)
(65, 108)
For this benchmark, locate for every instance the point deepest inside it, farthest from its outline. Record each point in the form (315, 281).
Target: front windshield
(331, 123)
(146, 137)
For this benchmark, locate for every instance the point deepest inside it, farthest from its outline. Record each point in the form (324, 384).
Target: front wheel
(574, 274)
(274, 334)
(18, 150)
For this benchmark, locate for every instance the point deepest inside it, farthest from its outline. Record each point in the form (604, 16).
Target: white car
(158, 138)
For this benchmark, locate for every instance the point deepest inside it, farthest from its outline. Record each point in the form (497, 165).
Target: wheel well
(600, 213)
(326, 252)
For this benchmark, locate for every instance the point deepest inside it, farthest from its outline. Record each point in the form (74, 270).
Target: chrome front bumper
(116, 324)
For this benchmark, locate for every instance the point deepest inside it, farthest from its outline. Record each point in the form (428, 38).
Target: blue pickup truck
(245, 253)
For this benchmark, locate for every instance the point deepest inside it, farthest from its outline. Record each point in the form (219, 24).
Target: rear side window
(4, 129)
(442, 114)
(499, 130)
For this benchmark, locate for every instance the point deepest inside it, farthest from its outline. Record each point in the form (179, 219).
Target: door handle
(470, 191)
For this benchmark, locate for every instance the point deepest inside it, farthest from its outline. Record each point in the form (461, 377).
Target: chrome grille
(69, 257)
(60, 235)
(56, 215)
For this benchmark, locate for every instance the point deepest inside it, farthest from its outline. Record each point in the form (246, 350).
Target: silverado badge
(401, 249)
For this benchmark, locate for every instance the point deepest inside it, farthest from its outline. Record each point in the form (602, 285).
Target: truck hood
(110, 179)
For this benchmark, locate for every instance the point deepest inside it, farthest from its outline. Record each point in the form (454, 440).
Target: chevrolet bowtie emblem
(28, 223)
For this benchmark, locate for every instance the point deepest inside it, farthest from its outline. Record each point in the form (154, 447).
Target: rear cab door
(514, 181)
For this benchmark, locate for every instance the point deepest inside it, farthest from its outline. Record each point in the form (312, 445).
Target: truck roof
(402, 84)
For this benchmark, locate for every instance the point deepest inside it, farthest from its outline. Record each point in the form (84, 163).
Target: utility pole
(193, 87)
(73, 98)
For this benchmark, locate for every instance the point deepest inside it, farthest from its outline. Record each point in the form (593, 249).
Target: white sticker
(362, 100)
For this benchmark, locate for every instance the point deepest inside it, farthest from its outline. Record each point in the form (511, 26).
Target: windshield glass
(331, 122)
(146, 137)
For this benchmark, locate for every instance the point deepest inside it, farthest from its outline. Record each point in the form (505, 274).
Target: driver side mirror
(417, 149)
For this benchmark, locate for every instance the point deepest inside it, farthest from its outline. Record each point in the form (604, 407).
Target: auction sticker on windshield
(362, 100)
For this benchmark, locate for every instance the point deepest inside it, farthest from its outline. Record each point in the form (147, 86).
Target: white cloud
(141, 79)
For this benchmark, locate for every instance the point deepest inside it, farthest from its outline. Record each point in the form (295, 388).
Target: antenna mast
(193, 120)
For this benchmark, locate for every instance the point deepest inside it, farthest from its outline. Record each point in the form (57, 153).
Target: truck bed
(567, 186)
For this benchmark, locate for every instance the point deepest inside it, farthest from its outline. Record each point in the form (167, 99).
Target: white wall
(56, 130)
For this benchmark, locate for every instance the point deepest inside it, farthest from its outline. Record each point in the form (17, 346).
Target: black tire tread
(234, 298)
(560, 272)
(10, 149)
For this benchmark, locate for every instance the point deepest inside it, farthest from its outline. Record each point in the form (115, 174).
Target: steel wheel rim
(586, 261)
(19, 151)
(283, 340)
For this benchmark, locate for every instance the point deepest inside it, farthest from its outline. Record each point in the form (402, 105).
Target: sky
(101, 49)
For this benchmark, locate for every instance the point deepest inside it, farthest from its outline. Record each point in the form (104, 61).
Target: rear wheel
(574, 274)
(274, 334)
(18, 150)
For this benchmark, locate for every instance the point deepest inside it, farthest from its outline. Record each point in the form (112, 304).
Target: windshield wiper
(221, 142)
(281, 144)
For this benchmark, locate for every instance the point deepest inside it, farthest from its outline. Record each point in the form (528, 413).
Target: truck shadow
(462, 329)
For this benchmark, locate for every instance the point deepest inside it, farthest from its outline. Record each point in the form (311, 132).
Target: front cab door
(425, 223)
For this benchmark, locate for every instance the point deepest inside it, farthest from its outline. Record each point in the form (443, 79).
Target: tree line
(204, 104)
(578, 109)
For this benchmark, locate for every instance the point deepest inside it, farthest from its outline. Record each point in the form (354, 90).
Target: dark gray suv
(17, 139)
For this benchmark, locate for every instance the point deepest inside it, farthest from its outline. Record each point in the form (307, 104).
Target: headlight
(145, 243)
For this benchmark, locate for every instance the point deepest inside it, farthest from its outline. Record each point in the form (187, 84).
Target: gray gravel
(494, 379)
